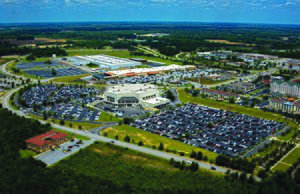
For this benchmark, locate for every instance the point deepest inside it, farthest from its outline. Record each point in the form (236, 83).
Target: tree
(199, 155)
(127, 139)
(210, 125)
(193, 154)
(172, 161)
(231, 100)
(140, 143)
(128, 120)
(194, 167)
(62, 122)
(161, 146)
(170, 95)
(182, 165)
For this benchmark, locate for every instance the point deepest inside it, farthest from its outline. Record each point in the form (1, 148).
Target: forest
(280, 40)
(27, 175)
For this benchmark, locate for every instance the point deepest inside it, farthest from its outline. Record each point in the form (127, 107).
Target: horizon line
(148, 21)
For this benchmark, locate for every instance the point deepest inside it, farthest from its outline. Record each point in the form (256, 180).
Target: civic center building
(135, 95)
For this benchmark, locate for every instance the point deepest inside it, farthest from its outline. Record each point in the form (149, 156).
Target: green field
(267, 150)
(71, 135)
(119, 53)
(292, 157)
(281, 167)
(27, 153)
(105, 117)
(111, 163)
(150, 139)
(71, 79)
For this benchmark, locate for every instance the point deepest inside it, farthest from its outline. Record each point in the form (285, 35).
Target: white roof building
(139, 95)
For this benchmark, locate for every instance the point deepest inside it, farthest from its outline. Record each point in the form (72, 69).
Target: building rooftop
(132, 88)
(45, 138)
(137, 71)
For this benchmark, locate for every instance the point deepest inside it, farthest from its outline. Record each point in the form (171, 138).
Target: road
(175, 93)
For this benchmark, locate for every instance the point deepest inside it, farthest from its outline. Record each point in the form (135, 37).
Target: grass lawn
(112, 163)
(267, 150)
(281, 167)
(27, 153)
(105, 117)
(70, 135)
(292, 157)
(150, 139)
(75, 125)
(71, 79)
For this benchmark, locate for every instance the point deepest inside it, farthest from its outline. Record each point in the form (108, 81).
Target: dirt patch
(101, 152)
(228, 42)
(50, 40)
(133, 158)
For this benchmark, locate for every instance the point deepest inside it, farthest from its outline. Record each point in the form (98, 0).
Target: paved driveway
(51, 157)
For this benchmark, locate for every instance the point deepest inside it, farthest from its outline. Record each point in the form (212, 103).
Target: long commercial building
(136, 95)
(285, 105)
(104, 61)
(285, 88)
(149, 71)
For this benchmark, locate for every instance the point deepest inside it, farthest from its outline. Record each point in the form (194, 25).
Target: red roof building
(45, 141)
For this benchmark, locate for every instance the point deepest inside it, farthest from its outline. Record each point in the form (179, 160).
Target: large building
(104, 61)
(148, 71)
(283, 88)
(45, 141)
(136, 95)
(285, 105)
(241, 87)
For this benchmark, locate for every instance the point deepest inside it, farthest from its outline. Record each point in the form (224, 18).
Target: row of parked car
(216, 130)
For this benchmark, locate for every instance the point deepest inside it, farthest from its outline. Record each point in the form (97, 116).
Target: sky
(240, 11)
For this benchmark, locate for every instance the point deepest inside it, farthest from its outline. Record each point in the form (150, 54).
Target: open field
(150, 139)
(71, 79)
(71, 135)
(105, 117)
(281, 167)
(116, 164)
(292, 157)
(118, 53)
(228, 42)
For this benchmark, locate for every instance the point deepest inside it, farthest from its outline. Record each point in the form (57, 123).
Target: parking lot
(48, 72)
(122, 111)
(63, 102)
(216, 130)
(52, 156)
